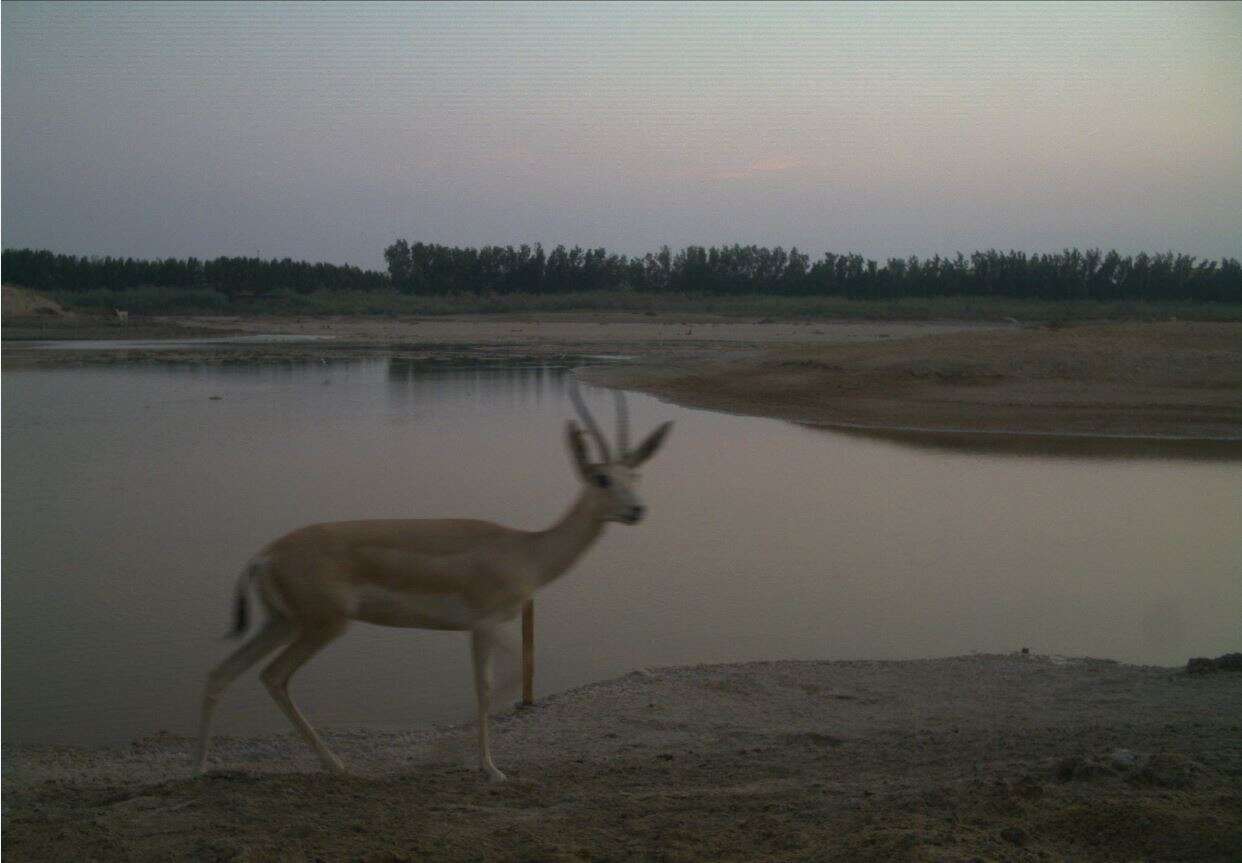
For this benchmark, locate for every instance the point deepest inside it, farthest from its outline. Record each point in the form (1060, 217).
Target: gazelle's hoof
(336, 768)
(494, 775)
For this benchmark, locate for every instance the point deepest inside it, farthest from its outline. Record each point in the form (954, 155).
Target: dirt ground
(23, 303)
(1012, 757)
(1165, 380)
(1159, 380)
(480, 337)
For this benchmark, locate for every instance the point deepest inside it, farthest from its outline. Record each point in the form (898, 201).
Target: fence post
(528, 653)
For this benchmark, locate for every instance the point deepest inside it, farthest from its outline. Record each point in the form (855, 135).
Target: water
(132, 496)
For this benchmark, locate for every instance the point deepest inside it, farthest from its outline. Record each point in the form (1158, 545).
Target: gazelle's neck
(564, 542)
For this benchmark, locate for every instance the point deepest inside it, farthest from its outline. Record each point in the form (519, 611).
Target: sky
(326, 131)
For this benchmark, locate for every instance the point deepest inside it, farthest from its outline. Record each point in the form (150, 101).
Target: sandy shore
(1162, 380)
(978, 757)
(549, 336)
(1166, 380)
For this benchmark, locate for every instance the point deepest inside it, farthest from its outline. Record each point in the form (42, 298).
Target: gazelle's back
(424, 536)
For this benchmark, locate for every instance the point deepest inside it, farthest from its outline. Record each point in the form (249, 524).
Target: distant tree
(427, 268)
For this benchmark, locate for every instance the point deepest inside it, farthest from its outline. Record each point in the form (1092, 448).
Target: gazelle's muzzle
(633, 515)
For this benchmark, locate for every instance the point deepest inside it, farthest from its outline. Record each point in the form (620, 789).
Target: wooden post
(528, 653)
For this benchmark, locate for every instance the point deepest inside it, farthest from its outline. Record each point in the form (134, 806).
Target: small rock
(1229, 662)
(1014, 835)
(1225, 662)
(1123, 758)
(1076, 768)
(1167, 770)
(1028, 787)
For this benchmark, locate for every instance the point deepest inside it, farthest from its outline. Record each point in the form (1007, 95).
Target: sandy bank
(1148, 380)
(1171, 379)
(547, 337)
(994, 757)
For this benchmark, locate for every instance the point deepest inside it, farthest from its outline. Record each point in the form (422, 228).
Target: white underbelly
(420, 611)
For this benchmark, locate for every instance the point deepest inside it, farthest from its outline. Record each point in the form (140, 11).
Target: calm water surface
(132, 497)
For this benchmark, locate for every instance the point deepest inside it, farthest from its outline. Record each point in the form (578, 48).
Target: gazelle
(448, 574)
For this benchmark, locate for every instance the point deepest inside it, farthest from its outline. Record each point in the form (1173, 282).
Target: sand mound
(21, 303)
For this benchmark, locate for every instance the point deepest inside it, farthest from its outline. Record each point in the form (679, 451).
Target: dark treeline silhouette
(44, 270)
(430, 269)
(424, 268)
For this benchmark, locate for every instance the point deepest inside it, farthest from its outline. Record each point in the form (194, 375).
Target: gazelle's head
(613, 480)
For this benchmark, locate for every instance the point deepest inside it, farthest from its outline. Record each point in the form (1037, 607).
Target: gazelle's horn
(587, 419)
(623, 424)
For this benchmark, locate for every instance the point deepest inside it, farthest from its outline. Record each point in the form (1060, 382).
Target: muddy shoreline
(1168, 380)
(1002, 757)
(548, 337)
(1146, 381)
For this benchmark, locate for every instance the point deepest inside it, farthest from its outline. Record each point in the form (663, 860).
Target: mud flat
(1161, 380)
(994, 757)
(547, 336)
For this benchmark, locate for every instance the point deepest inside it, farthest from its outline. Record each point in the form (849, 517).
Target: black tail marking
(241, 616)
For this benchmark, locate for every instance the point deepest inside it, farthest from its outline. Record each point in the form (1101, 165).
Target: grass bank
(170, 301)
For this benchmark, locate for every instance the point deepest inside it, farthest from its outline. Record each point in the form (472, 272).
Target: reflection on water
(133, 496)
(517, 383)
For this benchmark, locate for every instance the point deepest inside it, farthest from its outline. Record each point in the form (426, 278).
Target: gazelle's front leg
(481, 643)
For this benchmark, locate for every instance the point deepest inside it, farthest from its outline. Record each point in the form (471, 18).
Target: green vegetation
(47, 271)
(427, 279)
(736, 270)
(172, 301)
(145, 300)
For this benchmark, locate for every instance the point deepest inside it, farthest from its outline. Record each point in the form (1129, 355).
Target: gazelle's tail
(241, 604)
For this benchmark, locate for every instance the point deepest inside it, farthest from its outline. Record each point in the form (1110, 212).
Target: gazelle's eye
(602, 480)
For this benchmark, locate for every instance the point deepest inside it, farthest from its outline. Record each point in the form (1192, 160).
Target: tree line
(424, 268)
(43, 270)
(432, 269)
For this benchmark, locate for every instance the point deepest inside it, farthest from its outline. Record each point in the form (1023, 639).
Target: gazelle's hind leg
(276, 676)
(482, 641)
(275, 632)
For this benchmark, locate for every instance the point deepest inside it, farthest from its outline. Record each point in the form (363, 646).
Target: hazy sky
(326, 131)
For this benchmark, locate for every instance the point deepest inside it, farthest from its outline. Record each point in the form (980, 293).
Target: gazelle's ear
(647, 448)
(577, 448)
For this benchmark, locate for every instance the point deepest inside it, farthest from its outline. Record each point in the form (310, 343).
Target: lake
(133, 495)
